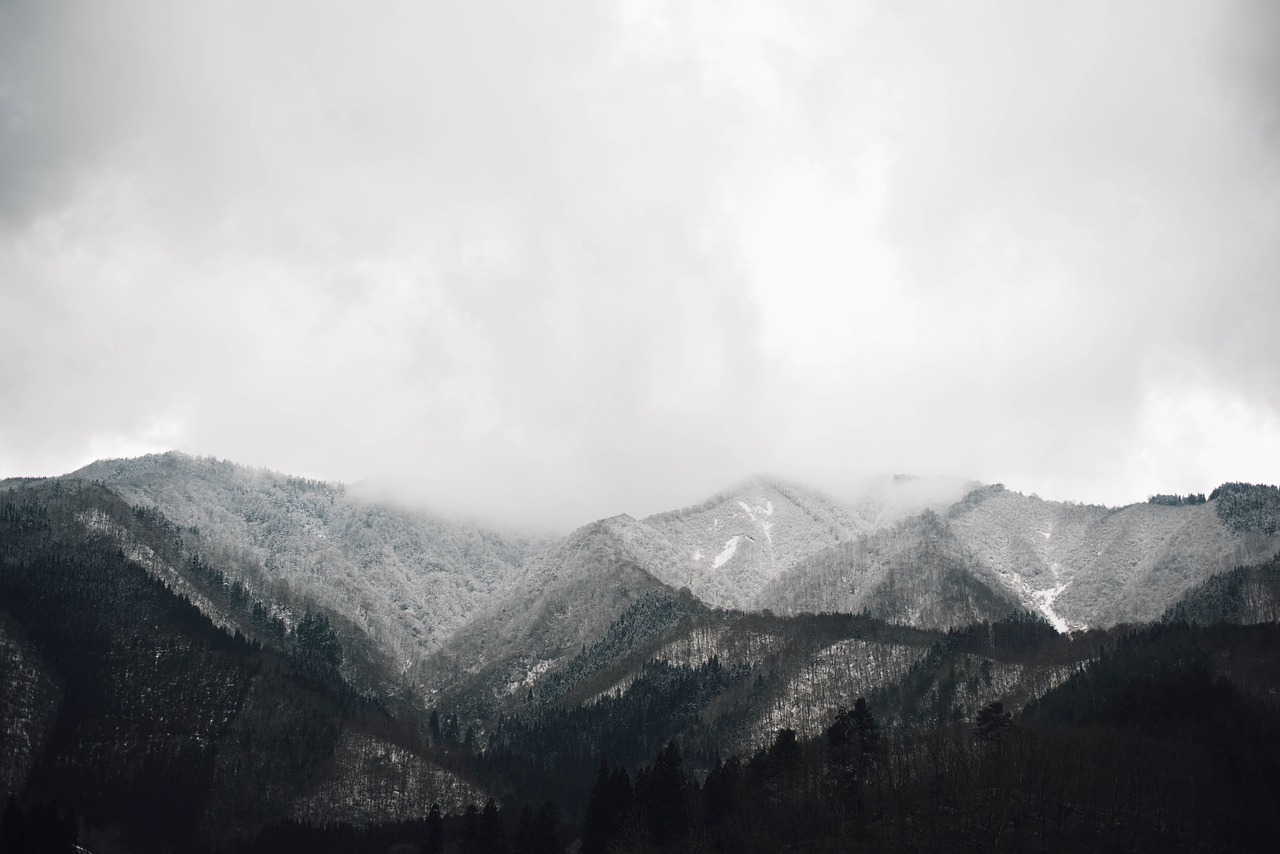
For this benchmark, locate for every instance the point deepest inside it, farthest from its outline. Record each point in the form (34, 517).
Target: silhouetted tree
(471, 830)
(719, 793)
(993, 721)
(524, 831)
(493, 837)
(435, 830)
(660, 797)
(544, 833)
(607, 808)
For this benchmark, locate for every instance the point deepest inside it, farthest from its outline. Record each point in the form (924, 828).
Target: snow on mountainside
(462, 613)
(564, 599)
(1096, 566)
(407, 579)
(996, 551)
(916, 573)
(734, 544)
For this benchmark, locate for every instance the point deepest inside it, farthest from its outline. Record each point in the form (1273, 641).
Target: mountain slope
(167, 730)
(1245, 596)
(732, 545)
(405, 580)
(1096, 566)
(564, 599)
(998, 551)
(917, 573)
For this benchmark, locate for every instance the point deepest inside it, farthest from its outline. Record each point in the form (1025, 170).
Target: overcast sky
(553, 261)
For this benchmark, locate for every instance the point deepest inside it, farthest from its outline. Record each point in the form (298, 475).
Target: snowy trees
(1246, 506)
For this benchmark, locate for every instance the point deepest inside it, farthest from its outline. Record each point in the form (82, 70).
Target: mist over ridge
(530, 511)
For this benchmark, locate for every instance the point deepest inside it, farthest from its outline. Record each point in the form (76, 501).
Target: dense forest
(1145, 749)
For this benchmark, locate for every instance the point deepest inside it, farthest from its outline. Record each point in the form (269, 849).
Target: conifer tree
(993, 721)
(660, 799)
(607, 808)
(524, 831)
(544, 833)
(435, 830)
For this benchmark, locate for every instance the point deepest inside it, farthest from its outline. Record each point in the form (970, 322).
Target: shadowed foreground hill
(160, 728)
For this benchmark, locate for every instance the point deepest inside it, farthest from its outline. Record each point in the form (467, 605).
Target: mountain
(122, 698)
(1246, 595)
(403, 581)
(564, 598)
(272, 649)
(997, 551)
(731, 546)
(1084, 565)
(917, 573)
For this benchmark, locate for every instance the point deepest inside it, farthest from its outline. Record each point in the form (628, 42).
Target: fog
(550, 262)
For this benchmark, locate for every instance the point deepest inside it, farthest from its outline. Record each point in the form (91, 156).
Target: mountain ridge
(610, 640)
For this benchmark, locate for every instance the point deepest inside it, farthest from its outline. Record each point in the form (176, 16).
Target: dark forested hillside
(1246, 594)
(165, 729)
(1168, 740)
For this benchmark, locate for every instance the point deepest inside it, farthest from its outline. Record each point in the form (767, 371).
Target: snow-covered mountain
(1082, 565)
(763, 608)
(916, 573)
(729, 547)
(406, 580)
(995, 550)
(438, 599)
(564, 599)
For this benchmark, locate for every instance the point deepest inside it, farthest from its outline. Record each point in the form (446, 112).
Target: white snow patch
(766, 509)
(730, 546)
(1044, 598)
(697, 554)
(530, 676)
(1044, 534)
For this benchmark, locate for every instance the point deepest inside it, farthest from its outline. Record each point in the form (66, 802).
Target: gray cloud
(557, 262)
